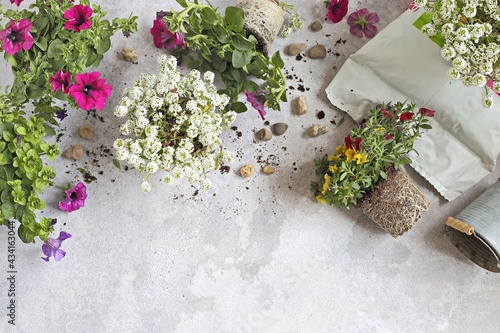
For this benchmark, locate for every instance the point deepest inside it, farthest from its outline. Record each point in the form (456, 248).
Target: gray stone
(316, 26)
(317, 52)
(279, 128)
(295, 48)
(264, 134)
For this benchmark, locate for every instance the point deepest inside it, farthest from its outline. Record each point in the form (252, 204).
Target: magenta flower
(350, 144)
(162, 37)
(258, 100)
(75, 198)
(337, 10)
(388, 136)
(78, 18)
(52, 247)
(90, 91)
(17, 2)
(61, 80)
(361, 22)
(16, 37)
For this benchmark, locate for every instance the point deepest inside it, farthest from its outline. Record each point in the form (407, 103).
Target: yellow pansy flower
(326, 185)
(333, 157)
(379, 129)
(350, 154)
(361, 158)
(333, 168)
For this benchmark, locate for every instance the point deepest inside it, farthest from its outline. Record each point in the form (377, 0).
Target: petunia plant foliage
(49, 47)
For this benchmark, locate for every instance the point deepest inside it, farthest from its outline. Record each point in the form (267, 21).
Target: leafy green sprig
(23, 175)
(222, 45)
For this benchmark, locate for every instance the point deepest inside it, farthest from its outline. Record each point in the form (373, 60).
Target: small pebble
(279, 128)
(268, 170)
(264, 134)
(75, 152)
(247, 170)
(295, 48)
(316, 130)
(317, 52)
(300, 105)
(86, 132)
(316, 26)
(129, 54)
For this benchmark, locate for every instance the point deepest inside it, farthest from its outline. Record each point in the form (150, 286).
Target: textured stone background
(250, 255)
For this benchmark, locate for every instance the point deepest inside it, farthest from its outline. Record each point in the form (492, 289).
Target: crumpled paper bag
(399, 64)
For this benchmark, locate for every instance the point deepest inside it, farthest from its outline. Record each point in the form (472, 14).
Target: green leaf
(183, 3)
(42, 43)
(251, 86)
(11, 60)
(117, 164)
(8, 136)
(241, 58)
(242, 43)
(341, 121)
(238, 107)
(26, 232)
(35, 92)
(276, 60)
(235, 18)
(426, 126)
(219, 64)
(8, 210)
(54, 49)
(222, 34)
(383, 174)
(103, 46)
(208, 15)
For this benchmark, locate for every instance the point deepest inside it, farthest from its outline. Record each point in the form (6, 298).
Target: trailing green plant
(220, 44)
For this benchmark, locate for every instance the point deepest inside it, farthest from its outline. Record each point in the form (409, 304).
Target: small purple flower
(63, 113)
(61, 80)
(52, 247)
(361, 22)
(258, 101)
(75, 198)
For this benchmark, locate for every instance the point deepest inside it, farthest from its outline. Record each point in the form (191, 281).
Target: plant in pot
(365, 171)
(467, 32)
(174, 124)
(235, 45)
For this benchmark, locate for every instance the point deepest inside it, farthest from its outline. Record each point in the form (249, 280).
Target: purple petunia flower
(17, 2)
(361, 22)
(258, 100)
(63, 113)
(90, 91)
(78, 18)
(17, 36)
(61, 80)
(337, 10)
(162, 37)
(75, 198)
(52, 247)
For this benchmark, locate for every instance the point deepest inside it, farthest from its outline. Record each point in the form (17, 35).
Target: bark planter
(263, 20)
(396, 204)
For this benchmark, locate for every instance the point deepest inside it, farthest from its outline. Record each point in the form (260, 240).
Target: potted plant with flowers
(467, 32)
(235, 45)
(174, 122)
(365, 171)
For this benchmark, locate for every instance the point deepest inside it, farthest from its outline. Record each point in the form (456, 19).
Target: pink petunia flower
(78, 18)
(257, 99)
(75, 198)
(162, 37)
(61, 80)
(427, 112)
(17, 2)
(337, 10)
(52, 246)
(17, 36)
(90, 91)
(361, 22)
(406, 116)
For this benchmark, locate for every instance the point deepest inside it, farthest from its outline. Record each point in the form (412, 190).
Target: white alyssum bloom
(174, 123)
(471, 38)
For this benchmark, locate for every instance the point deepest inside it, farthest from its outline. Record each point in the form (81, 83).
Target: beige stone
(75, 152)
(316, 130)
(316, 26)
(300, 105)
(264, 134)
(295, 48)
(129, 54)
(268, 170)
(247, 170)
(86, 132)
(317, 52)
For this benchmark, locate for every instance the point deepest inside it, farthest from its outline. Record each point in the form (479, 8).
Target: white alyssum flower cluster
(173, 124)
(471, 40)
